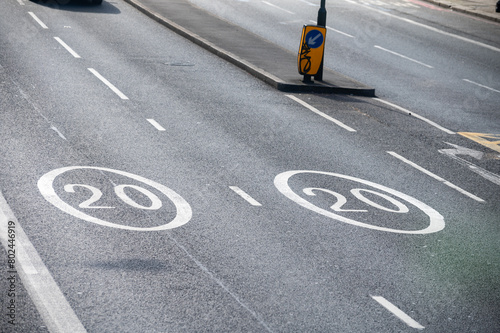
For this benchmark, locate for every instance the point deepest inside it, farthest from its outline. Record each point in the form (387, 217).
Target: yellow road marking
(491, 141)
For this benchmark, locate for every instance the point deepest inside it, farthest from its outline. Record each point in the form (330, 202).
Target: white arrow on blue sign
(314, 39)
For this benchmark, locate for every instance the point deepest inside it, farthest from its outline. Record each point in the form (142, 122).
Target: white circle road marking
(45, 185)
(436, 220)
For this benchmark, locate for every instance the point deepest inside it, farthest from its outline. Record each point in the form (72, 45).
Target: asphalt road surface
(149, 186)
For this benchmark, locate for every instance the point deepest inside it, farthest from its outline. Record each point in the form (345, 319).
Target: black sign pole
(321, 23)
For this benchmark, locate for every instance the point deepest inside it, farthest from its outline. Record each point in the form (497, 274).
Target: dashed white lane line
(309, 3)
(156, 125)
(245, 196)
(21, 2)
(427, 172)
(340, 32)
(402, 56)
(69, 49)
(493, 48)
(50, 302)
(335, 30)
(52, 127)
(481, 85)
(411, 113)
(38, 20)
(313, 109)
(398, 312)
(278, 7)
(106, 82)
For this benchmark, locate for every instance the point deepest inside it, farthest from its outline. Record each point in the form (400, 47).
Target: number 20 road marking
(120, 193)
(45, 185)
(436, 220)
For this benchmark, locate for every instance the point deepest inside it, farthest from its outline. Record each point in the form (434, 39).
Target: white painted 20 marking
(120, 193)
(91, 203)
(384, 202)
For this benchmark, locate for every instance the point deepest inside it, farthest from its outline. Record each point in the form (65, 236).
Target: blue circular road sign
(314, 39)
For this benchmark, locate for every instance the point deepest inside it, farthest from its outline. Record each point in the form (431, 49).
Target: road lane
(233, 266)
(457, 46)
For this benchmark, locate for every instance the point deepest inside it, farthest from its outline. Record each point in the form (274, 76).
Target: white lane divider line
(482, 86)
(50, 302)
(402, 56)
(69, 49)
(411, 113)
(313, 109)
(21, 2)
(52, 127)
(38, 20)
(309, 3)
(245, 196)
(339, 32)
(427, 172)
(335, 30)
(106, 82)
(493, 48)
(397, 312)
(278, 7)
(156, 125)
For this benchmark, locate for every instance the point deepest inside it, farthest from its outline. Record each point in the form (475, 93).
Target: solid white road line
(106, 82)
(430, 122)
(482, 86)
(69, 49)
(277, 7)
(38, 20)
(397, 312)
(313, 109)
(447, 183)
(50, 302)
(402, 56)
(245, 196)
(156, 125)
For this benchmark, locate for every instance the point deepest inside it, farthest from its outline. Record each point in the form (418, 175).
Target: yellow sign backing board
(312, 45)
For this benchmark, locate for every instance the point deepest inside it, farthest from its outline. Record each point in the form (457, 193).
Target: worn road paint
(458, 150)
(483, 139)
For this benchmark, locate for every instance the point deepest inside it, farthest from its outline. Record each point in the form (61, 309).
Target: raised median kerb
(481, 8)
(261, 58)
